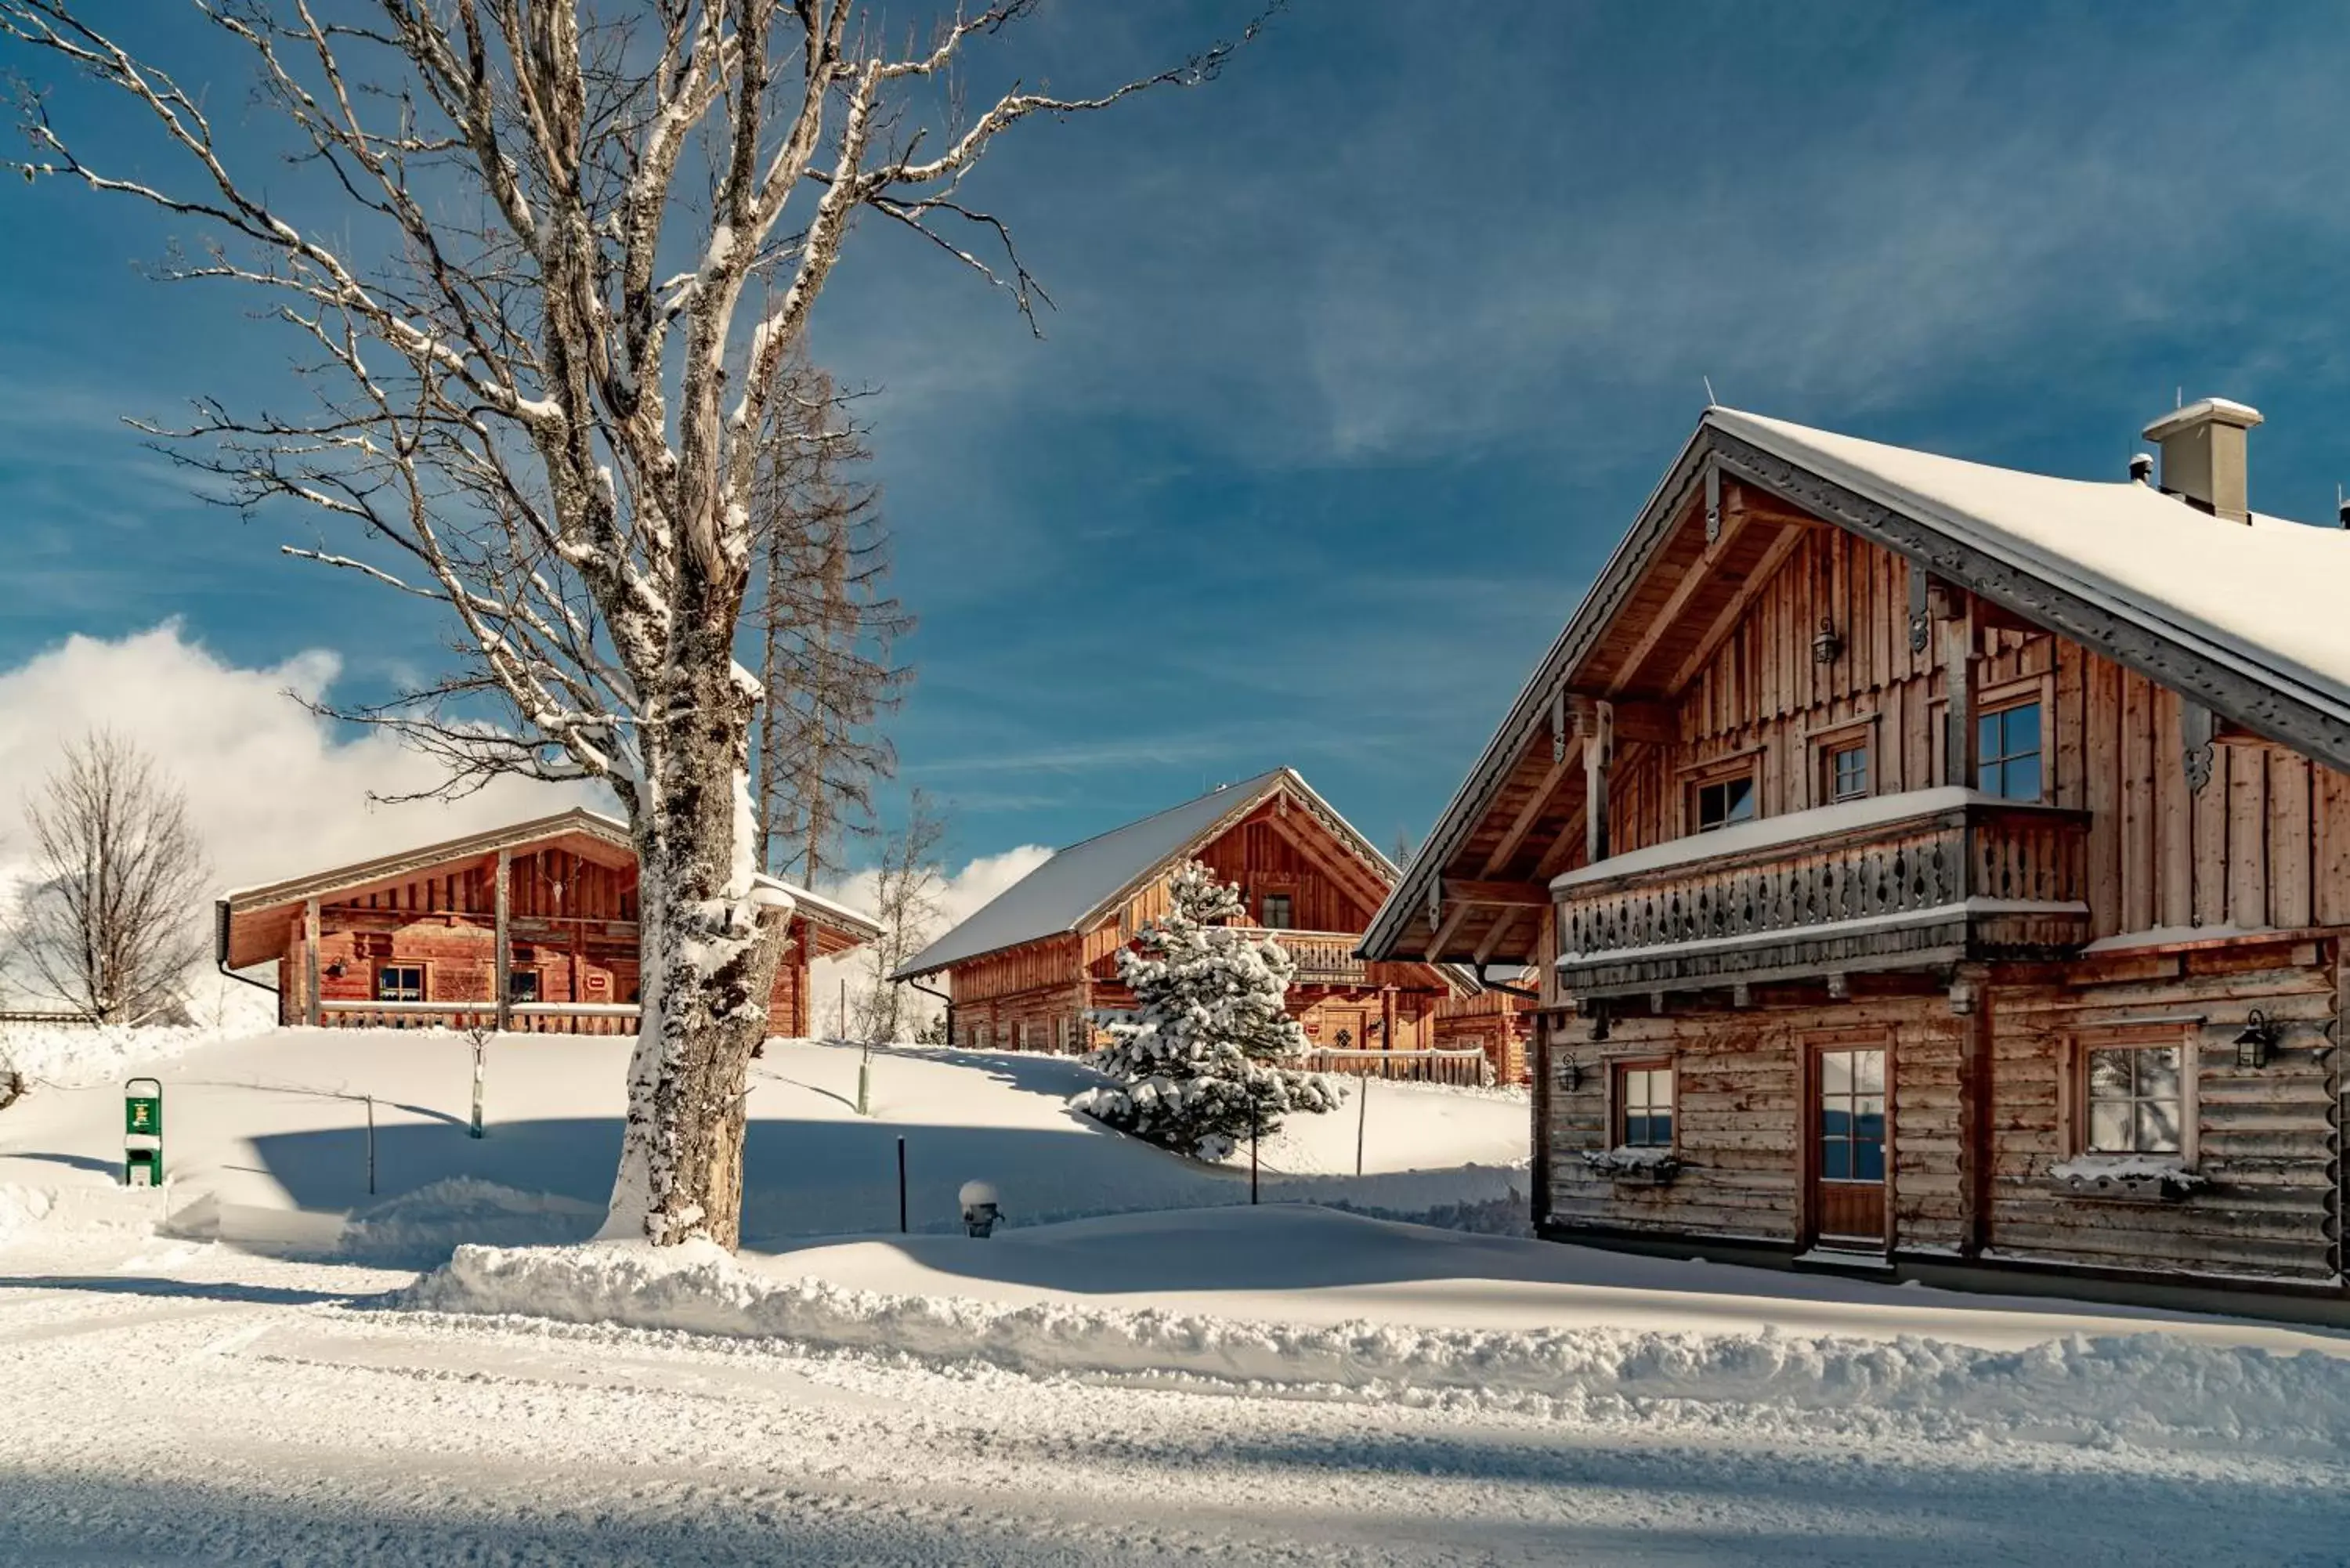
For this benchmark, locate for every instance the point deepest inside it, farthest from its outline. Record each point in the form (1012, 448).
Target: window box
(2126, 1178)
(1634, 1167)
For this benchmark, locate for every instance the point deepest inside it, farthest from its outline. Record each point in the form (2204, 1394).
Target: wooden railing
(2019, 870)
(1325, 958)
(1456, 1067)
(523, 1017)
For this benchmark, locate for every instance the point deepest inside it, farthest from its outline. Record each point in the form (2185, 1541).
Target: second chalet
(1033, 969)
(1934, 868)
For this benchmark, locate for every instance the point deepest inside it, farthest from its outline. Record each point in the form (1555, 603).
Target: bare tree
(827, 630)
(112, 923)
(538, 373)
(906, 901)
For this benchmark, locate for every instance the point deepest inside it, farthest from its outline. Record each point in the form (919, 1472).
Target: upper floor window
(1276, 912)
(2007, 753)
(1725, 802)
(1847, 772)
(400, 982)
(522, 985)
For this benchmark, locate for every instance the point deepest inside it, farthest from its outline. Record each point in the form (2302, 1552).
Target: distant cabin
(1035, 967)
(531, 927)
(1932, 869)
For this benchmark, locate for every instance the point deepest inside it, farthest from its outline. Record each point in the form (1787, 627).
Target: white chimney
(2203, 456)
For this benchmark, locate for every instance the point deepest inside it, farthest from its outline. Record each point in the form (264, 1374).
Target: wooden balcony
(1326, 958)
(1900, 882)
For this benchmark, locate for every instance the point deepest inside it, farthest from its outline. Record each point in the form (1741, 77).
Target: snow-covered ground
(250, 1367)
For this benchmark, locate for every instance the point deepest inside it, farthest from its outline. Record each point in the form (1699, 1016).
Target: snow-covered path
(172, 1402)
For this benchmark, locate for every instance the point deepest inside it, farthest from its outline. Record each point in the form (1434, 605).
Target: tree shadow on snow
(78, 1161)
(178, 1290)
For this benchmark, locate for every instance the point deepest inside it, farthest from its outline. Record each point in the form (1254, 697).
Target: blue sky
(1367, 353)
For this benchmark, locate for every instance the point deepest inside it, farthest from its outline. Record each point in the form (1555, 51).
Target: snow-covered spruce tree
(540, 261)
(1205, 1059)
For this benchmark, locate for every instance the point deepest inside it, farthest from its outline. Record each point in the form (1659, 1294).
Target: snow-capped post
(981, 1209)
(540, 296)
(1204, 1058)
(481, 1042)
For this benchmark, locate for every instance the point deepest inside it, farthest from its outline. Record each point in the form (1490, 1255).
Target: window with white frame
(400, 982)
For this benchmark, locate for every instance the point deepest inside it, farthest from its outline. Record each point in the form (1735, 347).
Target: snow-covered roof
(2267, 597)
(2254, 610)
(579, 820)
(1067, 892)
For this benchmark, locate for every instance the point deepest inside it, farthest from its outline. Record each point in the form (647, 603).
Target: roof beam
(1532, 812)
(1454, 918)
(1699, 572)
(1343, 868)
(1726, 620)
(1513, 895)
(1493, 942)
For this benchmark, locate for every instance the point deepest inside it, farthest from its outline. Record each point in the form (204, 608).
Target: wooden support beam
(310, 1010)
(501, 977)
(1595, 722)
(1959, 691)
(1518, 895)
(1698, 573)
(1445, 932)
(1502, 926)
(1976, 1060)
(1343, 869)
(1531, 812)
(1726, 620)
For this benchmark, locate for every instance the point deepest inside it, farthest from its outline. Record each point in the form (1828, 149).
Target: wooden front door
(1848, 1146)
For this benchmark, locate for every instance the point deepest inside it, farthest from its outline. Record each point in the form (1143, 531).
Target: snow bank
(2146, 1387)
(73, 1056)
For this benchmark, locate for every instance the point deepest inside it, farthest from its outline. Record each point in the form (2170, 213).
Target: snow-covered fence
(1431, 1066)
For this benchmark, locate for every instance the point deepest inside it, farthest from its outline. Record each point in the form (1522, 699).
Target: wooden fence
(1460, 1068)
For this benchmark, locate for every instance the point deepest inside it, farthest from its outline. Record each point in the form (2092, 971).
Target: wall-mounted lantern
(336, 968)
(1826, 646)
(2257, 1040)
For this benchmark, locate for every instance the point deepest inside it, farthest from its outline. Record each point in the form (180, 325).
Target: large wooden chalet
(1033, 969)
(1932, 868)
(531, 926)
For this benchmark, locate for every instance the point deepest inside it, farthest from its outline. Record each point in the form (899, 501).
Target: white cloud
(274, 790)
(960, 898)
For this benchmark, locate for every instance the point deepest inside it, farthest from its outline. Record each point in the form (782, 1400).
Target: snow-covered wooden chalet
(1032, 968)
(1932, 866)
(531, 927)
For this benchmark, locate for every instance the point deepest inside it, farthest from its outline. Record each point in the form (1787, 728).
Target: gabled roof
(577, 824)
(1086, 881)
(2243, 620)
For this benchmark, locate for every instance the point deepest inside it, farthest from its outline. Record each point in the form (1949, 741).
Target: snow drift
(2146, 1388)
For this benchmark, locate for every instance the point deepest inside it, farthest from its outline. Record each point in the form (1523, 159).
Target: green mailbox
(142, 1132)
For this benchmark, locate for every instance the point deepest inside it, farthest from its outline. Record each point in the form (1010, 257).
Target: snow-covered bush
(1201, 1057)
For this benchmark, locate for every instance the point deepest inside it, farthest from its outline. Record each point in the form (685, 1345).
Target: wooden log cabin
(1934, 868)
(423, 938)
(1033, 968)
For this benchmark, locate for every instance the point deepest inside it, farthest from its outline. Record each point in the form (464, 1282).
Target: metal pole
(1362, 1115)
(1255, 1119)
(370, 1100)
(902, 1185)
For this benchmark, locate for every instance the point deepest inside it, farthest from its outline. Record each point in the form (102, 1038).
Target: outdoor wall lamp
(2258, 1039)
(1826, 646)
(336, 968)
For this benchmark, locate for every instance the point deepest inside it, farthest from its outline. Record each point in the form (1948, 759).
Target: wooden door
(1848, 1157)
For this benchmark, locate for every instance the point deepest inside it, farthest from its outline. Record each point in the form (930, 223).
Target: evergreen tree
(1202, 1059)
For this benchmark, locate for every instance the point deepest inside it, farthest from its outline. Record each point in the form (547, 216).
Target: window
(1851, 1115)
(1644, 1106)
(400, 982)
(1725, 803)
(2007, 753)
(2136, 1100)
(1847, 774)
(1277, 916)
(522, 985)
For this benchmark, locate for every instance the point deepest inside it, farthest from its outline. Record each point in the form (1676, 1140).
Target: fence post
(901, 1184)
(1362, 1115)
(371, 1102)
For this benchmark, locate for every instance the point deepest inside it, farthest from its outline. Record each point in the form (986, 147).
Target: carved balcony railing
(1913, 881)
(1325, 958)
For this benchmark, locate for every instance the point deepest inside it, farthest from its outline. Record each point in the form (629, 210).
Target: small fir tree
(1203, 1058)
